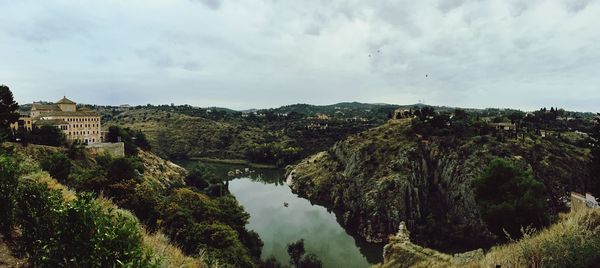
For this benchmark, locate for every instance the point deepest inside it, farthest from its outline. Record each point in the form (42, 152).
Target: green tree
(595, 158)
(121, 169)
(8, 114)
(311, 261)
(48, 135)
(58, 165)
(201, 176)
(8, 188)
(510, 198)
(296, 251)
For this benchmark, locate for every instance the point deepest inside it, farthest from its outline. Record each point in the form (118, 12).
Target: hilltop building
(81, 125)
(504, 126)
(402, 113)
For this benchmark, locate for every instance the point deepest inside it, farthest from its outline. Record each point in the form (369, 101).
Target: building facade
(81, 125)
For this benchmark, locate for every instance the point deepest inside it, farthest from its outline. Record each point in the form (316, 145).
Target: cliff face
(385, 175)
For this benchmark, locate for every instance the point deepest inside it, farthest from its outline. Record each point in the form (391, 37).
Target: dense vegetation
(574, 241)
(510, 199)
(266, 136)
(595, 155)
(59, 232)
(423, 169)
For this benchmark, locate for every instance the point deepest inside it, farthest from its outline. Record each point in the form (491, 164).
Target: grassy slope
(176, 135)
(172, 256)
(572, 242)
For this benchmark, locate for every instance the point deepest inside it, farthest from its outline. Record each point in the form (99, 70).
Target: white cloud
(267, 53)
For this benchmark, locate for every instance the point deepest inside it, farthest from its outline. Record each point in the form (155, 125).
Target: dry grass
(572, 242)
(171, 256)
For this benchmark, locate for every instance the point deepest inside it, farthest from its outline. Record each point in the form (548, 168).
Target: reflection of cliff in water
(372, 251)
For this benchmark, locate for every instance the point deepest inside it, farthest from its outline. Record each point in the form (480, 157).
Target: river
(263, 194)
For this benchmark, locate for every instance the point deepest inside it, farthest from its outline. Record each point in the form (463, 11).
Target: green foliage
(271, 262)
(197, 222)
(131, 138)
(44, 135)
(8, 187)
(8, 114)
(595, 158)
(510, 198)
(121, 169)
(78, 233)
(273, 153)
(201, 176)
(58, 165)
(310, 261)
(299, 258)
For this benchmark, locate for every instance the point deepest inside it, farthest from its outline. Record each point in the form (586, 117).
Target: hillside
(184, 132)
(574, 241)
(31, 177)
(391, 173)
(207, 225)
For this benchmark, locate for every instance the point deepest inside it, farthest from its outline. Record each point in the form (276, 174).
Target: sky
(245, 54)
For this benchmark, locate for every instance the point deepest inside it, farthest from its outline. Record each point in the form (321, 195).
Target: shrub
(58, 165)
(77, 233)
(201, 176)
(510, 198)
(8, 187)
(121, 169)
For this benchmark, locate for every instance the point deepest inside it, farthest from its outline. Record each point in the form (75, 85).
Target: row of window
(85, 125)
(84, 119)
(83, 132)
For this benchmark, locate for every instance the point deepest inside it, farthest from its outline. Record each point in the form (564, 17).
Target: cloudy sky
(266, 53)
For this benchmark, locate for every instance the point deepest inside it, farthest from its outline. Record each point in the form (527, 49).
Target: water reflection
(263, 193)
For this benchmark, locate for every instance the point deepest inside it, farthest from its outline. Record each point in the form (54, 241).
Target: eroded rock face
(384, 176)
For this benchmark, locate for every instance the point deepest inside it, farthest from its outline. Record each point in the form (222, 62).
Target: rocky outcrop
(385, 175)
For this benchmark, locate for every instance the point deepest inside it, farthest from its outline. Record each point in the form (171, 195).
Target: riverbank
(233, 162)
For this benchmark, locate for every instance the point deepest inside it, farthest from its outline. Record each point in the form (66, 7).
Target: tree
(300, 259)
(47, 135)
(8, 188)
(8, 114)
(311, 261)
(296, 251)
(201, 176)
(595, 158)
(121, 169)
(58, 165)
(510, 198)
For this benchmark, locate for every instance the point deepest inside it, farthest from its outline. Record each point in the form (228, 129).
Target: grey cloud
(212, 4)
(262, 53)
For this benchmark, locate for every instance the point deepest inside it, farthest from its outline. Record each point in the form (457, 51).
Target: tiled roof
(77, 113)
(51, 122)
(64, 100)
(39, 106)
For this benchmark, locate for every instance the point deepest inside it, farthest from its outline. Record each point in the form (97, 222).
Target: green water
(263, 193)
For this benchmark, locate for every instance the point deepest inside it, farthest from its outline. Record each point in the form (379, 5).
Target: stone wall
(114, 149)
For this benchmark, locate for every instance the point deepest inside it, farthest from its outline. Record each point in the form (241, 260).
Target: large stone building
(81, 125)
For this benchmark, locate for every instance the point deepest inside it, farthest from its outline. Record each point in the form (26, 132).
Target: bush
(299, 258)
(121, 169)
(201, 176)
(58, 165)
(77, 233)
(8, 187)
(510, 198)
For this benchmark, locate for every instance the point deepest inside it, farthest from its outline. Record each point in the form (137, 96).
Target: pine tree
(8, 114)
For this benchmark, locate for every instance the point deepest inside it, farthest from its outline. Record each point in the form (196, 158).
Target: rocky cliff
(386, 175)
